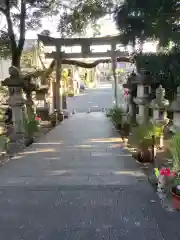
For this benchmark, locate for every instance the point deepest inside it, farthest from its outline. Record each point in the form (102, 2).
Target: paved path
(95, 99)
(77, 183)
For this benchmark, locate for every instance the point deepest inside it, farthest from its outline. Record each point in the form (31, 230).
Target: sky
(108, 27)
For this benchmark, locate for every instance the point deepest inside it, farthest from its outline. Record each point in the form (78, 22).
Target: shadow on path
(76, 183)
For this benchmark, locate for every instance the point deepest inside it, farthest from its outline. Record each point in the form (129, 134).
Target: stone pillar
(31, 110)
(143, 80)
(160, 106)
(113, 61)
(51, 97)
(132, 105)
(175, 108)
(58, 79)
(16, 102)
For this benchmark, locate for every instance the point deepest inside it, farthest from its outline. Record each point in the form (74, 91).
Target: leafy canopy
(23, 15)
(150, 19)
(75, 20)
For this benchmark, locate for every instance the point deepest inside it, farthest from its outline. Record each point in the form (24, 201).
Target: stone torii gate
(85, 44)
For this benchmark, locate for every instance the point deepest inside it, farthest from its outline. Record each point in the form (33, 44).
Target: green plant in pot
(176, 193)
(145, 134)
(175, 151)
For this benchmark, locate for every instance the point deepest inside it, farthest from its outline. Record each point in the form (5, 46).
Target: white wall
(4, 68)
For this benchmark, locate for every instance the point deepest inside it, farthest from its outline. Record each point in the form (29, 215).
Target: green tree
(139, 20)
(76, 20)
(96, 29)
(23, 15)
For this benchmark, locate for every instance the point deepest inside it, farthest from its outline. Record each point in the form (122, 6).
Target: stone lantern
(175, 108)
(15, 84)
(143, 81)
(42, 108)
(30, 85)
(160, 106)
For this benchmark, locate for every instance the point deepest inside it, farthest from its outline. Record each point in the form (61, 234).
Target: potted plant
(165, 177)
(176, 194)
(175, 151)
(144, 134)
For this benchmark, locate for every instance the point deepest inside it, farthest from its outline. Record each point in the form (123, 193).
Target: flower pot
(143, 155)
(53, 123)
(118, 126)
(164, 183)
(125, 130)
(175, 199)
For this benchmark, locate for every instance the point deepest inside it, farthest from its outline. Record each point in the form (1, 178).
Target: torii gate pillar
(114, 66)
(58, 94)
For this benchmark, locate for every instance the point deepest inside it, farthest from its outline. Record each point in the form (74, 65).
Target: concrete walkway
(77, 183)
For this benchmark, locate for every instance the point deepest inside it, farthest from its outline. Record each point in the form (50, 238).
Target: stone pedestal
(143, 81)
(160, 106)
(175, 108)
(30, 107)
(16, 102)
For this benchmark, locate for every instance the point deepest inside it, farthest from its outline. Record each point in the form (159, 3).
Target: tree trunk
(16, 58)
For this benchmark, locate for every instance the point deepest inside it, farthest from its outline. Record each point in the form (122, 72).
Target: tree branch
(22, 25)
(41, 61)
(2, 10)
(10, 25)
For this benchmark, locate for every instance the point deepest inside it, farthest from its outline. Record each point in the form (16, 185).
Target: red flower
(126, 92)
(37, 118)
(167, 172)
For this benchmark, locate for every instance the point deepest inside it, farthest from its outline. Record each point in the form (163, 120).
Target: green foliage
(146, 131)
(31, 126)
(78, 18)
(116, 115)
(23, 15)
(150, 19)
(175, 151)
(163, 67)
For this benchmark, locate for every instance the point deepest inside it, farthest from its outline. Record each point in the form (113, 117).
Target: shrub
(175, 151)
(116, 115)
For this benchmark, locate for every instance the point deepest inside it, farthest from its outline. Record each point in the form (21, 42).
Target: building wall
(4, 67)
